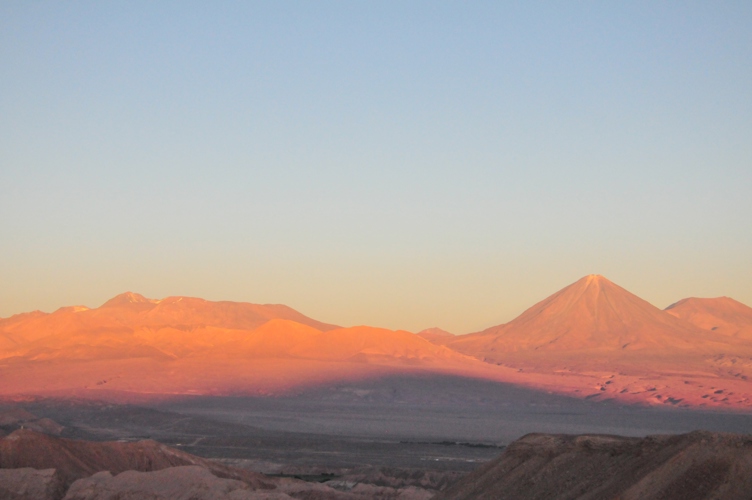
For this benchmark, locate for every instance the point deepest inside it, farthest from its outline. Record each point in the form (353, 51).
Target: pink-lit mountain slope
(129, 311)
(628, 347)
(181, 345)
(592, 314)
(592, 339)
(721, 315)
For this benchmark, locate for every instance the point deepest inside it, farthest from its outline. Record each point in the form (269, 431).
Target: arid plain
(263, 389)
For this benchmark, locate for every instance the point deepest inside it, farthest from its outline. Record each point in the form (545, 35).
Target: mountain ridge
(591, 339)
(722, 315)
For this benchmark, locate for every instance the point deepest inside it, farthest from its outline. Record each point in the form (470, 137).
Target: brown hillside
(697, 466)
(78, 459)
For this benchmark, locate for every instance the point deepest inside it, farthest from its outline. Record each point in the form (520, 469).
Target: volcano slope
(596, 339)
(721, 315)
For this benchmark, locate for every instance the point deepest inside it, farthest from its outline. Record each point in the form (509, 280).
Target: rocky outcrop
(17, 418)
(699, 465)
(197, 483)
(147, 469)
(79, 459)
(30, 484)
(176, 483)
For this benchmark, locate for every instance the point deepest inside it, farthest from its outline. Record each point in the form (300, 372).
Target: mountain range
(592, 339)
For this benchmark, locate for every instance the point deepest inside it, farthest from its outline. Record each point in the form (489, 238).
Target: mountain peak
(128, 298)
(591, 314)
(595, 280)
(436, 335)
(722, 315)
(435, 331)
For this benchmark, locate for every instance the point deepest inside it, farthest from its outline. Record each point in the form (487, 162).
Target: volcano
(627, 348)
(592, 315)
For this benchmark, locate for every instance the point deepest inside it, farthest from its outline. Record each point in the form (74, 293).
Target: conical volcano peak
(128, 298)
(592, 313)
(590, 290)
(595, 280)
(593, 287)
(591, 300)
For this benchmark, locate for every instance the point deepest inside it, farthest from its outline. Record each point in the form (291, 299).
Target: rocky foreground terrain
(35, 466)
(699, 465)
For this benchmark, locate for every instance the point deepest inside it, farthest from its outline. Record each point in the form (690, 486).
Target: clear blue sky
(400, 164)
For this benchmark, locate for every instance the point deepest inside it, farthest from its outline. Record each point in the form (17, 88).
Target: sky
(397, 164)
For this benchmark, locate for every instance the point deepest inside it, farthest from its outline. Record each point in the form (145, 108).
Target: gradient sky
(398, 164)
